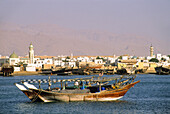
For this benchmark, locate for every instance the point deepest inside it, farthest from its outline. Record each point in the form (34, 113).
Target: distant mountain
(54, 40)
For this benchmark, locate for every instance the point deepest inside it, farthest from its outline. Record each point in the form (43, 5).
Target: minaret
(151, 51)
(31, 54)
(71, 56)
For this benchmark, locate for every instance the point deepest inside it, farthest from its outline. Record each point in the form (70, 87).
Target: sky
(150, 18)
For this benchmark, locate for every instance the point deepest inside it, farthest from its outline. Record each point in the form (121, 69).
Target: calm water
(151, 95)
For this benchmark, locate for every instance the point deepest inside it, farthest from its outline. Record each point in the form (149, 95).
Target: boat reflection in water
(82, 89)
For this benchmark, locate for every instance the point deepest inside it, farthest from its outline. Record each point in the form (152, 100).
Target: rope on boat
(36, 97)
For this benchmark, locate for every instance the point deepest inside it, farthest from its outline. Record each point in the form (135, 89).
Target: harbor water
(150, 96)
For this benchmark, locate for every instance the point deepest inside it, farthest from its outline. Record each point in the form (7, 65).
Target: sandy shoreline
(25, 73)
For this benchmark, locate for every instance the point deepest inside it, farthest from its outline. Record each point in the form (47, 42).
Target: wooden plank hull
(32, 95)
(52, 96)
(111, 96)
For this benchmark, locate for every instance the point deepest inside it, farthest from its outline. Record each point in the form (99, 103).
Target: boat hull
(52, 96)
(32, 95)
(162, 70)
(104, 96)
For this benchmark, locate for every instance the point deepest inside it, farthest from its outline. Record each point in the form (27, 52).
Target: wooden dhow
(162, 70)
(84, 89)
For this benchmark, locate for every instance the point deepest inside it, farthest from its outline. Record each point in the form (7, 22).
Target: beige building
(127, 63)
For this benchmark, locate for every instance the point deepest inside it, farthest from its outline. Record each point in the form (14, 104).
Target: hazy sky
(141, 17)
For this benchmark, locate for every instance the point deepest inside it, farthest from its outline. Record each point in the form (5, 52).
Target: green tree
(98, 57)
(154, 60)
(163, 59)
(67, 57)
(20, 63)
(120, 57)
(65, 60)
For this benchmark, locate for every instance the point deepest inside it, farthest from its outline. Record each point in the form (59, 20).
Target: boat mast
(49, 83)
(39, 81)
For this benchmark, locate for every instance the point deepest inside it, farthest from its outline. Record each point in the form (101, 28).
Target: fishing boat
(82, 89)
(162, 70)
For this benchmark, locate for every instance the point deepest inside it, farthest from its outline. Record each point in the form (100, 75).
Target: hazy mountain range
(49, 39)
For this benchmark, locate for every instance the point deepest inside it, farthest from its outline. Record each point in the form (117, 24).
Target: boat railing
(86, 79)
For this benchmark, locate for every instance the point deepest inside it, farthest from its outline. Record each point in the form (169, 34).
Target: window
(12, 61)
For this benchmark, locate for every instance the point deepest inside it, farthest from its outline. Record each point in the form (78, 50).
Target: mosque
(15, 60)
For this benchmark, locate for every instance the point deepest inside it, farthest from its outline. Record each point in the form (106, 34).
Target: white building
(39, 62)
(98, 61)
(31, 68)
(111, 60)
(13, 59)
(125, 57)
(165, 57)
(149, 57)
(24, 60)
(48, 61)
(57, 62)
(83, 59)
(16, 69)
(72, 64)
(158, 56)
